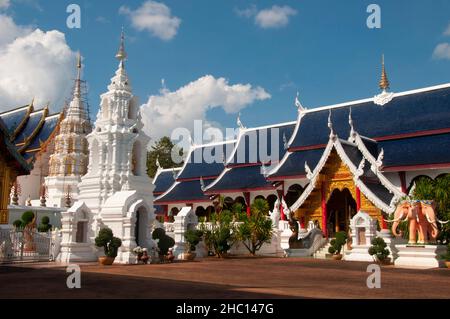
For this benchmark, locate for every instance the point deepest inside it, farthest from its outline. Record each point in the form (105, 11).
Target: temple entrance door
(340, 207)
(140, 228)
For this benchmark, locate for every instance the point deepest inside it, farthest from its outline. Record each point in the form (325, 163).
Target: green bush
(109, 243)
(337, 243)
(27, 218)
(193, 237)
(164, 242)
(17, 223)
(447, 255)
(378, 249)
(220, 237)
(45, 225)
(439, 191)
(256, 229)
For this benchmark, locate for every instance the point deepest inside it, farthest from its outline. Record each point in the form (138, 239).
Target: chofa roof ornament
(299, 105)
(384, 97)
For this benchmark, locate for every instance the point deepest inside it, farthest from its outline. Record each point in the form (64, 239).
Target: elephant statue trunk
(400, 213)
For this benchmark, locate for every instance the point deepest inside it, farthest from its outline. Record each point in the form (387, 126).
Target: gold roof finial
(77, 91)
(121, 54)
(384, 82)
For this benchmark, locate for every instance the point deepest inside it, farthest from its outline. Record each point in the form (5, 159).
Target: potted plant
(193, 237)
(379, 251)
(336, 245)
(164, 243)
(110, 245)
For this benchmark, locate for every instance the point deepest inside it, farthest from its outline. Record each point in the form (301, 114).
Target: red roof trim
(279, 178)
(240, 190)
(182, 201)
(307, 148)
(415, 167)
(381, 138)
(415, 134)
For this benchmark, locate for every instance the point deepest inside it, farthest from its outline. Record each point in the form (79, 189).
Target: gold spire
(121, 54)
(384, 82)
(78, 80)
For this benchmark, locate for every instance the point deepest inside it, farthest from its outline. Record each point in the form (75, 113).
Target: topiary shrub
(164, 242)
(27, 218)
(109, 243)
(337, 243)
(193, 237)
(45, 225)
(378, 249)
(17, 223)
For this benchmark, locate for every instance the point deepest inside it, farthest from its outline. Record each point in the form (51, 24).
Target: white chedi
(116, 191)
(70, 158)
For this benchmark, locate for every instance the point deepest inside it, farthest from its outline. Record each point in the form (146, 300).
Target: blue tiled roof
(255, 145)
(429, 110)
(206, 161)
(352, 152)
(434, 149)
(11, 152)
(45, 132)
(241, 178)
(295, 163)
(163, 181)
(14, 118)
(30, 127)
(184, 192)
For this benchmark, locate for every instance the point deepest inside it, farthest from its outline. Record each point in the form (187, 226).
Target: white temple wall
(31, 184)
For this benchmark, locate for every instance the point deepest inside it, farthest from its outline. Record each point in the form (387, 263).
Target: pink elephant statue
(427, 222)
(406, 210)
(422, 221)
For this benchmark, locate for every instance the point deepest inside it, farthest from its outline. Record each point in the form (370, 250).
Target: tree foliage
(439, 191)
(162, 151)
(256, 229)
(219, 237)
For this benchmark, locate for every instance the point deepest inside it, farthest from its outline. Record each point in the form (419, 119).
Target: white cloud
(9, 31)
(178, 109)
(275, 17)
(248, 12)
(154, 17)
(4, 4)
(442, 51)
(33, 63)
(447, 31)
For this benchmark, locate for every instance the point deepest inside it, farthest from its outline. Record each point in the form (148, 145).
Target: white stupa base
(76, 252)
(421, 257)
(358, 253)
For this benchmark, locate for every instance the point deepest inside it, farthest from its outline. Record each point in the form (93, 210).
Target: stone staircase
(322, 252)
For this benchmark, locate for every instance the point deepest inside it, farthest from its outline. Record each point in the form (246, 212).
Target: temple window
(136, 159)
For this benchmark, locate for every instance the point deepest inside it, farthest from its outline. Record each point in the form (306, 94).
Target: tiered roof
(30, 130)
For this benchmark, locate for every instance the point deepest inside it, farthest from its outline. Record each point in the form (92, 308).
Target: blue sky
(325, 50)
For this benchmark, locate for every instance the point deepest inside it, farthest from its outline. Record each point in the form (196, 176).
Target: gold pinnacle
(384, 82)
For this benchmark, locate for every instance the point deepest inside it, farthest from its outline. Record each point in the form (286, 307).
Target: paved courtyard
(229, 278)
